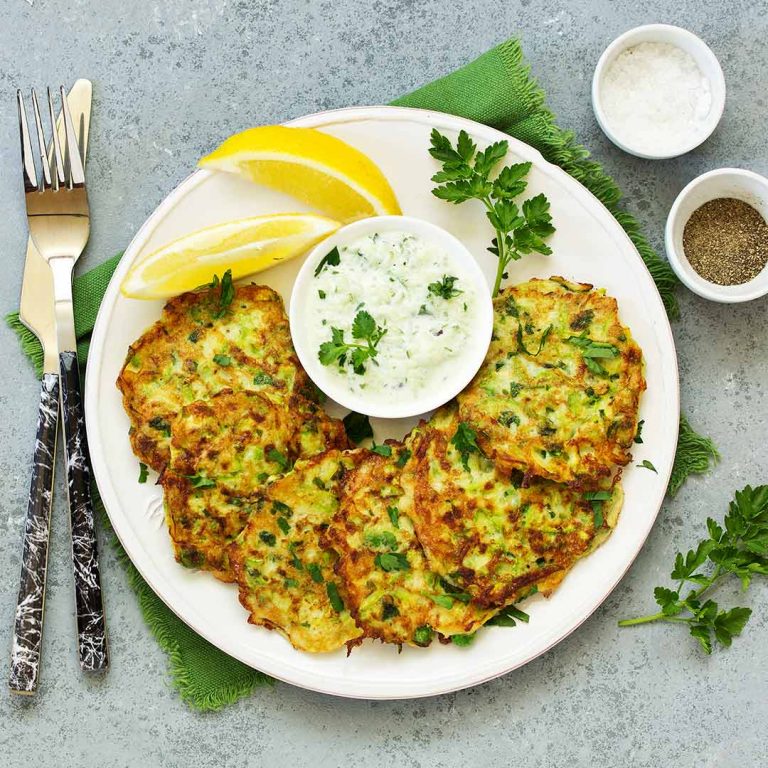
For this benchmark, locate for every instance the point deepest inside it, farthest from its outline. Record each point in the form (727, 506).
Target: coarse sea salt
(655, 98)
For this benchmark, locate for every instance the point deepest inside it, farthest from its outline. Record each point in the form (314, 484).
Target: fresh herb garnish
(223, 360)
(740, 548)
(639, 433)
(331, 259)
(279, 458)
(402, 459)
(313, 569)
(444, 288)
(508, 617)
(357, 426)
(645, 464)
(465, 176)
(382, 450)
(392, 561)
(161, 425)
(226, 293)
(143, 473)
(333, 595)
(465, 442)
(388, 609)
(597, 499)
(321, 294)
(379, 539)
(200, 481)
(592, 351)
(283, 525)
(364, 329)
(521, 344)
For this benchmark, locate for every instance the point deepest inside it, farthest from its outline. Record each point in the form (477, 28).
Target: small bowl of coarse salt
(658, 91)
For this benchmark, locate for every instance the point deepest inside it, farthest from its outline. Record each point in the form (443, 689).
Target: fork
(59, 223)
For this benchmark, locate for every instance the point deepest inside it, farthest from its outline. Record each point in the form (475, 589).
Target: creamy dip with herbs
(389, 315)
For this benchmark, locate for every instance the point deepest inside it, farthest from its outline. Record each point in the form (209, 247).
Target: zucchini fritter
(286, 577)
(198, 348)
(223, 451)
(488, 534)
(557, 396)
(383, 574)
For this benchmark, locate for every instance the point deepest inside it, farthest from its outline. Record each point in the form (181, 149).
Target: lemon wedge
(245, 246)
(322, 171)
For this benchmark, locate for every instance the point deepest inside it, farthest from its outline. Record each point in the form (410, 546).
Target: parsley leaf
(143, 473)
(332, 259)
(465, 175)
(465, 442)
(738, 547)
(337, 350)
(645, 464)
(392, 561)
(639, 433)
(444, 288)
(357, 426)
(402, 459)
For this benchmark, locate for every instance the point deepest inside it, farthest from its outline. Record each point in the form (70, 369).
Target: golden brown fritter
(223, 451)
(557, 396)
(384, 577)
(487, 533)
(198, 348)
(286, 577)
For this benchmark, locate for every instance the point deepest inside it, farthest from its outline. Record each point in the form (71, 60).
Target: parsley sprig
(445, 288)
(739, 548)
(465, 175)
(368, 334)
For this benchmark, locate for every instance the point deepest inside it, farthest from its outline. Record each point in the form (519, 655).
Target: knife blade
(37, 313)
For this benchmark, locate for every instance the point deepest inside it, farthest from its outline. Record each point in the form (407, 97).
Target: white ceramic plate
(589, 246)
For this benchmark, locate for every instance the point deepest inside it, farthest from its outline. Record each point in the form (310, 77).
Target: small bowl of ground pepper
(717, 235)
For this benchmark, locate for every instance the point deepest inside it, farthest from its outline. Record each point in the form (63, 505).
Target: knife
(36, 311)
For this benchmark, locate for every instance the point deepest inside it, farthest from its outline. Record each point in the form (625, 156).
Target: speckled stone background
(171, 80)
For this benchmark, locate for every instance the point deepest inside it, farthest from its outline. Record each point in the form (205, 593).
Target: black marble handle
(91, 626)
(28, 622)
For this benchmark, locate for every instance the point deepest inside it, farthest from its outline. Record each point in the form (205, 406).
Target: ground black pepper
(726, 241)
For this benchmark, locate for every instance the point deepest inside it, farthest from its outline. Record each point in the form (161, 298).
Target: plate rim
(311, 680)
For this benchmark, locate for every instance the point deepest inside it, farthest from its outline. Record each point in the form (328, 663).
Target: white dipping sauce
(388, 275)
(655, 97)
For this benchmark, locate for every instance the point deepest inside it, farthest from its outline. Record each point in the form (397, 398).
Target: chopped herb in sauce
(331, 259)
(445, 288)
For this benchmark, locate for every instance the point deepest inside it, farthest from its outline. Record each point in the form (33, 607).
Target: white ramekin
(702, 55)
(724, 182)
(467, 364)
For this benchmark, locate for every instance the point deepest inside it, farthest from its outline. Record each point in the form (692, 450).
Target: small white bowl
(701, 54)
(467, 364)
(724, 182)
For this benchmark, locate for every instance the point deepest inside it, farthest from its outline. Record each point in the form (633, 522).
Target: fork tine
(76, 173)
(58, 161)
(27, 160)
(41, 142)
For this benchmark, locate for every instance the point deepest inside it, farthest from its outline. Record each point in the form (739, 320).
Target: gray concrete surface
(173, 78)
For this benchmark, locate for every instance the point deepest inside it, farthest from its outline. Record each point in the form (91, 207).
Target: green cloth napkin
(495, 89)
